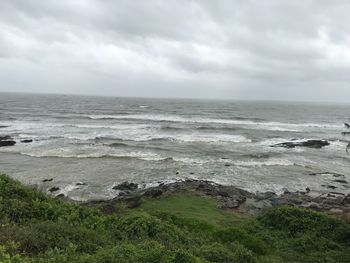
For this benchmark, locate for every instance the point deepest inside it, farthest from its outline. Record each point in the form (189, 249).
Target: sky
(224, 49)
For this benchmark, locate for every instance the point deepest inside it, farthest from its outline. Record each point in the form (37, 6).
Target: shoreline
(171, 223)
(227, 197)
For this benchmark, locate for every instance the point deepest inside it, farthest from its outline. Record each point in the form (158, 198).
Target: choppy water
(104, 141)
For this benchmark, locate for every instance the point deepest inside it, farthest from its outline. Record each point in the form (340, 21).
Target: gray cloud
(287, 50)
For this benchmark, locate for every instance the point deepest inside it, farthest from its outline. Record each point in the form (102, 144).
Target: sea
(86, 145)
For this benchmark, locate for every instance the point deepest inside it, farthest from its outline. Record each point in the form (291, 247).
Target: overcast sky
(251, 49)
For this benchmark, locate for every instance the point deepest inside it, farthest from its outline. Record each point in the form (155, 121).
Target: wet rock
(126, 186)
(264, 196)
(307, 189)
(47, 180)
(230, 204)
(26, 141)
(7, 143)
(285, 191)
(312, 205)
(340, 181)
(154, 193)
(309, 143)
(54, 189)
(223, 193)
(329, 186)
(80, 184)
(227, 164)
(60, 196)
(346, 200)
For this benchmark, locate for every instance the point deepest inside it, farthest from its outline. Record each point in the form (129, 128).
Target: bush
(230, 235)
(296, 221)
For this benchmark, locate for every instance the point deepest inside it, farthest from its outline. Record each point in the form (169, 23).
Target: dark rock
(154, 193)
(309, 143)
(286, 192)
(329, 186)
(230, 204)
(227, 164)
(80, 183)
(54, 189)
(7, 143)
(346, 200)
(177, 173)
(5, 138)
(307, 189)
(264, 196)
(124, 193)
(126, 186)
(312, 205)
(60, 195)
(134, 203)
(191, 172)
(336, 193)
(47, 180)
(340, 181)
(26, 141)
(3, 126)
(223, 193)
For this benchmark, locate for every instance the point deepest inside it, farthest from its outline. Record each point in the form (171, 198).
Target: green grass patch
(191, 206)
(181, 228)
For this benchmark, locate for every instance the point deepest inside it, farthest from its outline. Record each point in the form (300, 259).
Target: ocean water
(103, 141)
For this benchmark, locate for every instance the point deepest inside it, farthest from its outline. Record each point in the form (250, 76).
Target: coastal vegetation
(180, 228)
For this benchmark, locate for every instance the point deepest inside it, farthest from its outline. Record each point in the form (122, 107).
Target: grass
(180, 228)
(192, 206)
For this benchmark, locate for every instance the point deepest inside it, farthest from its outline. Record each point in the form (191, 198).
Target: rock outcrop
(308, 143)
(6, 141)
(229, 197)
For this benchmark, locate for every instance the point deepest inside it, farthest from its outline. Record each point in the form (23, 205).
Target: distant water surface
(103, 141)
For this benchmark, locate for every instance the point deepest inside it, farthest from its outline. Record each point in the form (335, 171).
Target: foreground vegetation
(180, 228)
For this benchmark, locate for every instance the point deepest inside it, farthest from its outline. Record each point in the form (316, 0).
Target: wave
(268, 162)
(188, 138)
(274, 126)
(61, 153)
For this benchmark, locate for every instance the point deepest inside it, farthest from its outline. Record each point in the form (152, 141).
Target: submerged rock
(27, 141)
(126, 186)
(340, 181)
(47, 180)
(309, 143)
(6, 141)
(54, 189)
(154, 193)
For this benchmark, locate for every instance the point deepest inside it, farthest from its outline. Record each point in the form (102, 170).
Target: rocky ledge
(308, 143)
(229, 197)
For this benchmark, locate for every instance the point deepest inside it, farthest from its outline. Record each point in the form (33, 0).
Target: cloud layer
(287, 50)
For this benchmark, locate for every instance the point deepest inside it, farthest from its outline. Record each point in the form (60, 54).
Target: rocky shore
(228, 197)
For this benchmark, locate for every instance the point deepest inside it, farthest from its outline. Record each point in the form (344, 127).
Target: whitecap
(267, 162)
